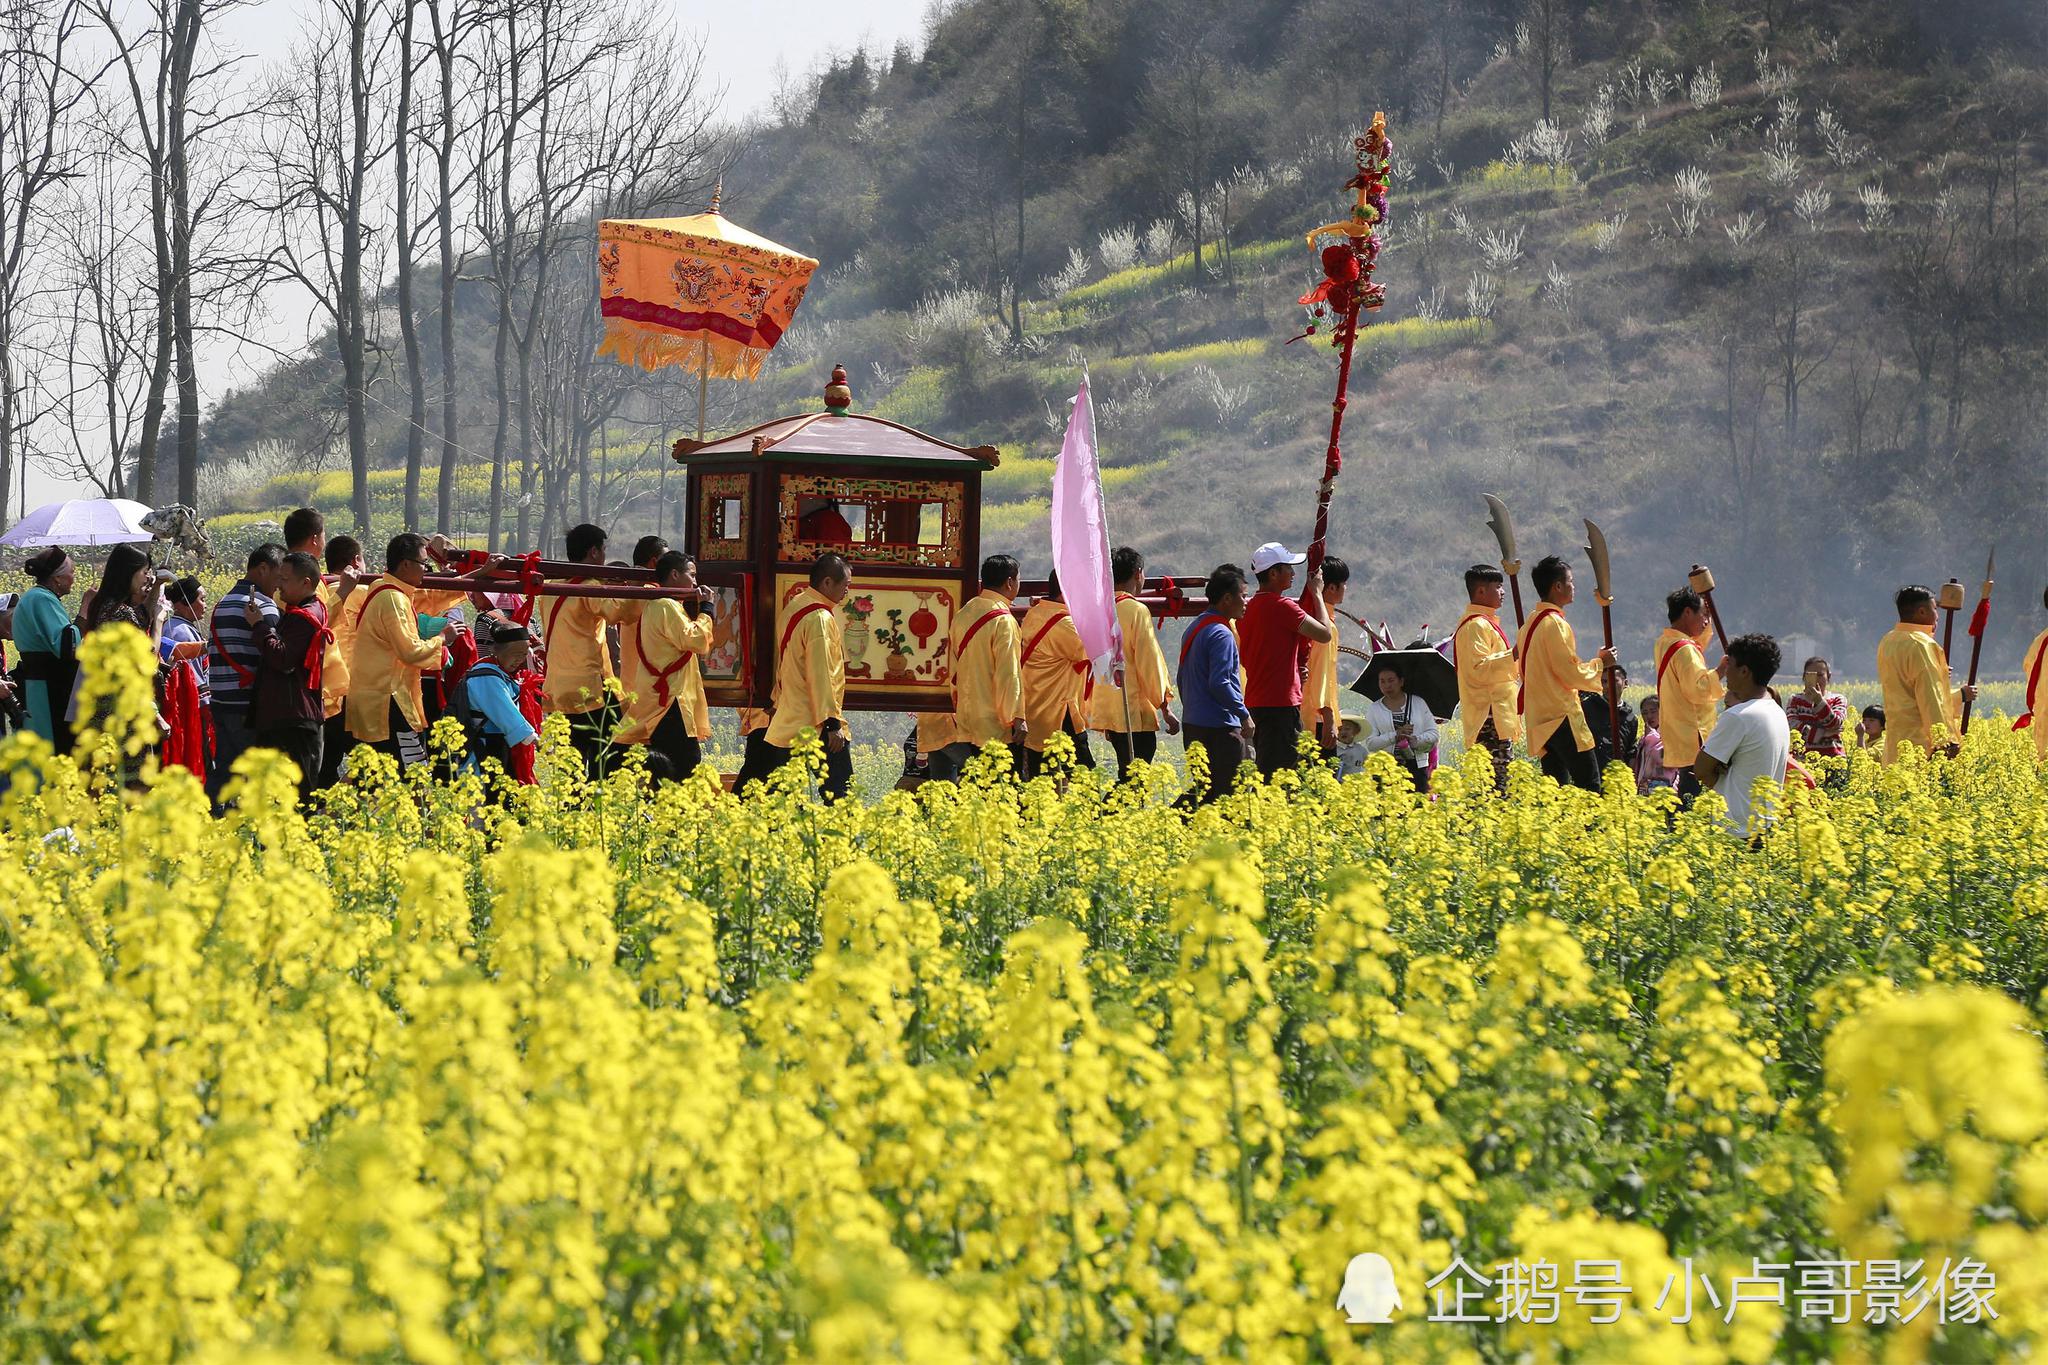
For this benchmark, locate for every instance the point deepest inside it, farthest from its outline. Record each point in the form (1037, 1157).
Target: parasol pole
(703, 382)
(1349, 296)
(1978, 620)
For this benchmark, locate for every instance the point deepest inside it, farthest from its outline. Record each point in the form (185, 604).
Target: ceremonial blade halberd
(1510, 563)
(1603, 592)
(1603, 577)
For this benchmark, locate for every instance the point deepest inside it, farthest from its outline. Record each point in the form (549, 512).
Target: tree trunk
(6, 411)
(185, 45)
(444, 50)
(498, 357)
(354, 363)
(415, 374)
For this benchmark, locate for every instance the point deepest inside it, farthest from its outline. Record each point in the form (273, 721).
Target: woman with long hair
(128, 594)
(47, 637)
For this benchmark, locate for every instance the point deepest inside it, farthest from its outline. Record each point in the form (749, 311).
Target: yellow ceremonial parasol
(698, 292)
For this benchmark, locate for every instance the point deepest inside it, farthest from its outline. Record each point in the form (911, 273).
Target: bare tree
(451, 23)
(44, 89)
(538, 169)
(1543, 45)
(322, 144)
(404, 243)
(1795, 281)
(176, 81)
(1193, 124)
(647, 130)
(103, 335)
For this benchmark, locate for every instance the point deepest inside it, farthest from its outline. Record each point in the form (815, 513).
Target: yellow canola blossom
(987, 1073)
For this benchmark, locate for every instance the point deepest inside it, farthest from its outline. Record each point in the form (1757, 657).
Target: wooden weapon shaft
(1976, 651)
(1714, 615)
(1515, 589)
(1607, 683)
(1948, 630)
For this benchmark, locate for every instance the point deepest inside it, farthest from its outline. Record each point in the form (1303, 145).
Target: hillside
(1766, 290)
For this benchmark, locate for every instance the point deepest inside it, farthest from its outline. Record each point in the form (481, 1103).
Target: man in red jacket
(287, 712)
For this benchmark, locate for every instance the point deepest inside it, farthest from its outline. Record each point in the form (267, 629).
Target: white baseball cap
(1272, 553)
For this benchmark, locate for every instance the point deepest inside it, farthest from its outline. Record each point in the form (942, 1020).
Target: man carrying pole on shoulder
(1132, 713)
(384, 708)
(1054, 676)
(1912, 668)
(988, 687)
(1553, 676)
(658, 648)
(1688, 692)
(810, 675)
(1488, 689)
(579, 660)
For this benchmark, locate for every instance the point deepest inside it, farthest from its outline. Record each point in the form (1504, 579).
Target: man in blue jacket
(1213, 714)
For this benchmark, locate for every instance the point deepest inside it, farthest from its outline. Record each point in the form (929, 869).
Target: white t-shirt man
(1751, 740)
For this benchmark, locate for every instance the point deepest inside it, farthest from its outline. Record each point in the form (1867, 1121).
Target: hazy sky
(743, 38)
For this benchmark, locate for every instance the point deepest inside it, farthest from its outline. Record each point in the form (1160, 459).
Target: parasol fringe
(634, 343)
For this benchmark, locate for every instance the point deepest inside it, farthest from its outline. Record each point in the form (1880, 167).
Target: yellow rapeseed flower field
(582, 1073)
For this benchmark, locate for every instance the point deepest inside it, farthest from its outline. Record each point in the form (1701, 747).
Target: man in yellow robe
(810, 675)
(988, 689)
(1688, 692)
(658, 649)
(1553, 676)
(1488, 688)
(1319, 676)
(2034, 669)
(344, 556)
(579, 659)
(1912, 668)
(384, 708)
(1053, 669)
(1132, 712)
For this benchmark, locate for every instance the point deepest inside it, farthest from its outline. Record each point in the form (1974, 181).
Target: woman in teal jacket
(47, 637)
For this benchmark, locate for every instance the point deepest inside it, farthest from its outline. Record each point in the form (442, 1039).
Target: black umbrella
(1426, 673)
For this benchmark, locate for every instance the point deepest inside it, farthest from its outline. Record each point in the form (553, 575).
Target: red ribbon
(1980, 616)
(530, 579)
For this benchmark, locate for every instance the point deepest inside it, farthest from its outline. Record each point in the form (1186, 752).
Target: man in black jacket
(286, 713)
(1604, 751)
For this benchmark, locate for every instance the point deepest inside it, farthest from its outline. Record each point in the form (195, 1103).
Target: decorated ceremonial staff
(1701, 581)
(1345, 290)
(1950, 601)
(1510, 562)
(1603, 593)
(1978, 619)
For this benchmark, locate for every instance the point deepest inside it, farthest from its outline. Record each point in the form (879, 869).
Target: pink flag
(1080, 538)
